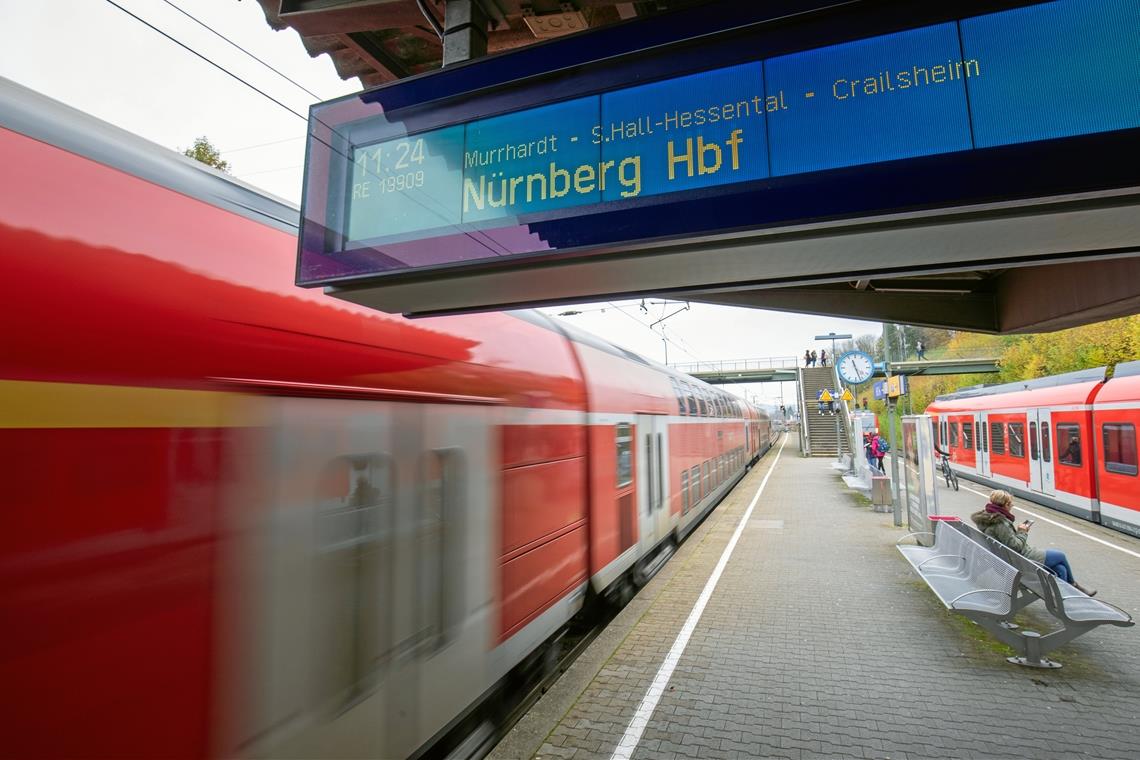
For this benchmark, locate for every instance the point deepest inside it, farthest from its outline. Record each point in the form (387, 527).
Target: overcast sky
(94, 57)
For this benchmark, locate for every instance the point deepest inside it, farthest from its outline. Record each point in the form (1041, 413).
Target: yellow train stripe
(25, 404)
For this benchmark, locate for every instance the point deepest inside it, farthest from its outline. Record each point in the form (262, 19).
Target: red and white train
(1068, 441)
(245, 519)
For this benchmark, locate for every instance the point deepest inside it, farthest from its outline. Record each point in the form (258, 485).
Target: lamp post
(896, 507)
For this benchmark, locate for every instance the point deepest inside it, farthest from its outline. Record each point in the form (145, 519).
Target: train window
(650, 478)
(684, 492)
(702, 402)
(997, 437)
(354, 526)
(967, 435)
(1046, 444)
(660, 471)
(1069, 444)
(706, 486)
(954, 434)
(1017, 439)
(624, 457)
(694, 486)
(983, 444)
(942, 436)
(678, 393)
(439, 550)
(1033, 441)
(1119, 448)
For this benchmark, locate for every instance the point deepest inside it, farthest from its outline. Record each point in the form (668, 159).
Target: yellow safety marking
(25, 404)
(826, 397)
(847, 395)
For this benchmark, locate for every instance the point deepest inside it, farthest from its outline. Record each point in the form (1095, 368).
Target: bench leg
(1031, 642)
(1023, 599)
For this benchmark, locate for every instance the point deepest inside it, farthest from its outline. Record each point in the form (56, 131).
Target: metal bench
(966, 577)
(1077, 612)
(970, 579)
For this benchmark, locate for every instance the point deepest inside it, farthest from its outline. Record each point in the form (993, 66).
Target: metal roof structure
(383, 40)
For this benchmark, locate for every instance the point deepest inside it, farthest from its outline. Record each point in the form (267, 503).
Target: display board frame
(603, 61)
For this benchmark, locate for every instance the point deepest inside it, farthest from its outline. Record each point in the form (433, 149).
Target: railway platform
(818, 641)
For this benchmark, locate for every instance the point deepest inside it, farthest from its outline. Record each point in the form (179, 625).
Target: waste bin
(881, 493)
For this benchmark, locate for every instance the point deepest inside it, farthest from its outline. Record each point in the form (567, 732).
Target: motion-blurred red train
(1067, 441)
(244, 519)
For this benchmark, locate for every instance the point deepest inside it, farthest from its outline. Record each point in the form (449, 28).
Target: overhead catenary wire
(217, 66)
(264, 94)
(262, 145)
(218, 34)
(647, 327)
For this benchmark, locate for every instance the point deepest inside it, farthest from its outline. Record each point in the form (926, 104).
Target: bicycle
(949, 474)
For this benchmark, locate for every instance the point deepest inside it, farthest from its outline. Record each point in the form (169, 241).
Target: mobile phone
(1028, 522)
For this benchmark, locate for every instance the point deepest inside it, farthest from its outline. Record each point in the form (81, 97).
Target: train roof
(1124, 385)
(30, 113)
(1068, 378)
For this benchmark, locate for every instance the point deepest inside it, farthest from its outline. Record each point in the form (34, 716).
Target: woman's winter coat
(1002, 528)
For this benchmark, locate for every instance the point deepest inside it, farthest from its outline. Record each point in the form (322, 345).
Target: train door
(652, 481)
(982, 430)
(1041, 452)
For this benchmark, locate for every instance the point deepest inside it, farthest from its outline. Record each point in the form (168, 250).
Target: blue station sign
(818, 115)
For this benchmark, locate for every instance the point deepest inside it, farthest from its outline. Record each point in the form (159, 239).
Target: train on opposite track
(245, 519)
(1066, 441)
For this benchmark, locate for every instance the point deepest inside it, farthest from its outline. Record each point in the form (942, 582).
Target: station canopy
(968, 165)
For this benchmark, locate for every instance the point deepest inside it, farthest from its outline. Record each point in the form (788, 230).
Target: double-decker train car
(245, 519)
(1067, 441)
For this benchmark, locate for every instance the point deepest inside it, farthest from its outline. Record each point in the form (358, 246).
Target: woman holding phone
(997, 520)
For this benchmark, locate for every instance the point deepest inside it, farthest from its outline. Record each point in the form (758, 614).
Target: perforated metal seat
(964, 575)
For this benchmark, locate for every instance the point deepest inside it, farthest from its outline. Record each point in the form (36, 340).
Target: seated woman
(996, 520)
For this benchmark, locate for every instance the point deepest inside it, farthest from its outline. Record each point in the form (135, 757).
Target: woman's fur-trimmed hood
(984, 519)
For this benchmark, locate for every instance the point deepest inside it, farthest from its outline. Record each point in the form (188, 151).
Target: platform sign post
(895, 500)
(918, 468)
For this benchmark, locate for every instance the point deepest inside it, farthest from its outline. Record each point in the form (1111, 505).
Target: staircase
(818, 432)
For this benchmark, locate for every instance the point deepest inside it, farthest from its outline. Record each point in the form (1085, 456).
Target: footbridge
(783, 368)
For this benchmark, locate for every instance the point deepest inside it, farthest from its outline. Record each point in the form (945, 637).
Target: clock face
(855, 367)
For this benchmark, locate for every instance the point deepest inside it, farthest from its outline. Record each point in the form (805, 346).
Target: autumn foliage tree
(204, 151)
(1023, 357)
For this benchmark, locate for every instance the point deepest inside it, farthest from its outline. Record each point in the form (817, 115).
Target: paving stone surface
(820, 641)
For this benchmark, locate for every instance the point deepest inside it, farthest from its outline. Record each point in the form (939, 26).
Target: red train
(1068, 441)
(245, 519)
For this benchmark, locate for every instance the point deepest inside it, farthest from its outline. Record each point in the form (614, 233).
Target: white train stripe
(1082, 534)
(520, 415)
(1103, 406)
(640, 721)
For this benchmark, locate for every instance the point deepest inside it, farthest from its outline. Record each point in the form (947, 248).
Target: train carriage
(1116, 418)
(1067, 441)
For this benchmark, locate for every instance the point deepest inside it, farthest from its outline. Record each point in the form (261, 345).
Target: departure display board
(1027, 74)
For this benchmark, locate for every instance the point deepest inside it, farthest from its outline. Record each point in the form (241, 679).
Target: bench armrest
(939, 556)
(956, 599)
(911, 535)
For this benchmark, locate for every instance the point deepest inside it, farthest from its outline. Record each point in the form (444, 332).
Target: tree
(206, 153)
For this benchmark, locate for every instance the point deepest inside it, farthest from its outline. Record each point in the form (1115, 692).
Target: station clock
(855, 367)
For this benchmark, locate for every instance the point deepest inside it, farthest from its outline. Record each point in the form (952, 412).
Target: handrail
(738, 365)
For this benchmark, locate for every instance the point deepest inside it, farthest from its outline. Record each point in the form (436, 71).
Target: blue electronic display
(896, 96)
(1055, 69)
